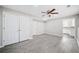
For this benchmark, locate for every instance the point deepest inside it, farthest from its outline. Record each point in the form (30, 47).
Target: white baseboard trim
(1, 46)
(49, 34)
(37, 34)
(54, 35)
(58, 35)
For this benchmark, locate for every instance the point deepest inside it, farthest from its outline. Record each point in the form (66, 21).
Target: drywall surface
(54, 27)
(77, 21)
(77, 28)
(38, 28)
(0, 26)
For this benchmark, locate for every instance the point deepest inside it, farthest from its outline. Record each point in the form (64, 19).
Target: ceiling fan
(50, 12)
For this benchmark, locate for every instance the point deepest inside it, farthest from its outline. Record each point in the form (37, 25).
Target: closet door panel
(24, 26)
(10, 29)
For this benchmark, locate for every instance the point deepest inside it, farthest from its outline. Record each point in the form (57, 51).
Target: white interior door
(25, 29)
(10, 28)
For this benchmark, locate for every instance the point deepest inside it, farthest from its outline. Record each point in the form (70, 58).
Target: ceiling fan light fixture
(68, 5)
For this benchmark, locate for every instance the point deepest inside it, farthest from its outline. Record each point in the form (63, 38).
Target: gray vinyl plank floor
(44, 44)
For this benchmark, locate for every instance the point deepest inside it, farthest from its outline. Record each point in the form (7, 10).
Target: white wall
(77, 28)
(69, 22)
(54, 27)
(77, 24)
(0, 26)
(69, 26)
(38, 28)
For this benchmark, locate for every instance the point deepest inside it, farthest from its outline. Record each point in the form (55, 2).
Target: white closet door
(25, 29)
(10, 28)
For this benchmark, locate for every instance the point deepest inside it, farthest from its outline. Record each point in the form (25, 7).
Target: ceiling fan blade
(55, 13)
(52, 10)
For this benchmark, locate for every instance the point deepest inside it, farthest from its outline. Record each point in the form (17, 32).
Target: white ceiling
(35, 10)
